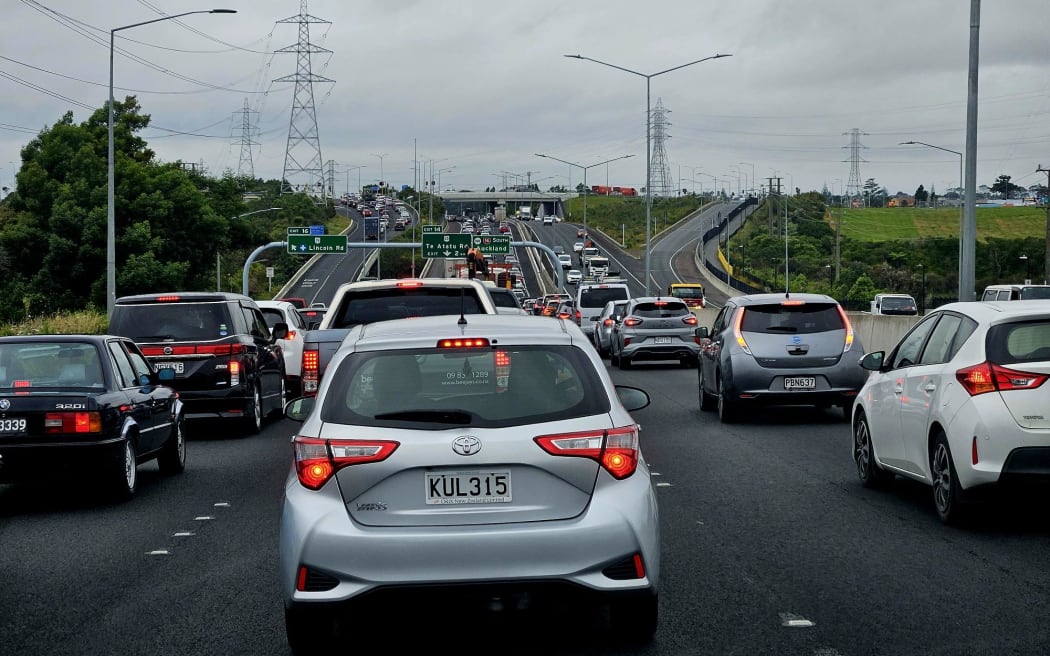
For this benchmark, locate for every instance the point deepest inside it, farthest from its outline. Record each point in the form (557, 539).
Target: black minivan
(226, 360)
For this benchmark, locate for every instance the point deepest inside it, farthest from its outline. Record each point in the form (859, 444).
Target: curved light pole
(586, 189)
(111, 220)
(963, 295)
(648, 147)
(754, 183)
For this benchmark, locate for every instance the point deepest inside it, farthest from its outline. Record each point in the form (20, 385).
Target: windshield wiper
(460, 417)
(170, 338)
(782, 329)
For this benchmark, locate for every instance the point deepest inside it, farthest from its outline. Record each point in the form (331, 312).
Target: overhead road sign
(492, 244)
(445, 245)
(317, 244)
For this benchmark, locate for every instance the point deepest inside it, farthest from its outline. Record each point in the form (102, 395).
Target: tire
(123, 477)
(947, 494)
(614, 357)
(309, 631)
(172, 458)
(726, 408)
(635, 619)
(254, 413)
(847, 410)
(868, 470)
(707, 401)
(624, 362)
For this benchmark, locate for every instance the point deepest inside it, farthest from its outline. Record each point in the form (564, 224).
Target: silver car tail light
(615, 449)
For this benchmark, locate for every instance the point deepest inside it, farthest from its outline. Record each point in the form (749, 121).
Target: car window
(256, 323)
(122, 365)
(660, 309)
(599, 296)
(138, 362)
(179, 322)
(939, 347)
(401, 303)
(1023, 341)
(273, 316)
(31, 365)
(989, 295)
(437, 388)
(907, 352)
(805, 318)
(1029, 293)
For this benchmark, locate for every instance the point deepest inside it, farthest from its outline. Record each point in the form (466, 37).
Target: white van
(895, 304)
(591, 299)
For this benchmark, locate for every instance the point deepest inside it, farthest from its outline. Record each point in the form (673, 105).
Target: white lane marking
(183, 534)
(791, 620)
(826, 651)
(655, 474)
(664, 485)
(222, 504)
(158, 552)
(203, 518)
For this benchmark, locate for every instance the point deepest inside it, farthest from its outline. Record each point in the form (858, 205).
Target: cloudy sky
(482, 86)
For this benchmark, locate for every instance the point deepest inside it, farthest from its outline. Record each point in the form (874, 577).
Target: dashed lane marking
(158, 552)
(203, 518)
(183, 534)
(792, 620)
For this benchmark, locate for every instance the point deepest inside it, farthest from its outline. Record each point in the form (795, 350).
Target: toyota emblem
(467, 445)
(167, 350)
(5, 404)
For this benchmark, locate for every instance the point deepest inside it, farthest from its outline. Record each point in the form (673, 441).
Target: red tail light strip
(615, 449)
(317, 460)
(988, 377)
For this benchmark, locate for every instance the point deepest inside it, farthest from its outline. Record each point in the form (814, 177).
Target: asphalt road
(770, 546)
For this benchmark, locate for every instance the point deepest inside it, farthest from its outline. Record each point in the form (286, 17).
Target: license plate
(662, 340)
(800, 382)
(450, 488)
(179, 367)
(12, 426)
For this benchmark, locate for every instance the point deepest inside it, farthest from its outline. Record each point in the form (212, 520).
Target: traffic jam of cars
(436, 417)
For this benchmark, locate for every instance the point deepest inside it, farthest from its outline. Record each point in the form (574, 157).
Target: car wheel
(868, 470)
(309, 631)
(635, 619)
(624, 361)
(614, 357)
(124, 476)
(726, 407)
(172, 458)
(947, 494)
(707, 401)
(254, 412)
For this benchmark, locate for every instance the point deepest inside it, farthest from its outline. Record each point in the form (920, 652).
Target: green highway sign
(445, 245)
(302, 230)
(432, 229)
(492, 244)
(317, 244)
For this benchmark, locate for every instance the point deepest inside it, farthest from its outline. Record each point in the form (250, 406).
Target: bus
(690, 292)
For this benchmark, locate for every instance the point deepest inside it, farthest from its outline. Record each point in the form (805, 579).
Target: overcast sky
(482, 86)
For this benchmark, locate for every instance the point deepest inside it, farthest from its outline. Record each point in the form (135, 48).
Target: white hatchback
(292, 345)
(960, 403)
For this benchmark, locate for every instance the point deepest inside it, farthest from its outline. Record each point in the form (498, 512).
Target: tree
(862, 290)
(921, 195)
(1004, 186)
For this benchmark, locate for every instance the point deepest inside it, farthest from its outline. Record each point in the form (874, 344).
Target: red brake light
(659, 303)
(409, 283)
(72, 422)
(988, 377)
(317, 460)
(168, 299)
(849, 330)
(792, 301)
(290, 335)
(311, 371)
(616, 449)
(479, 342)
(689, 320)
(632, 321)
(607, 322)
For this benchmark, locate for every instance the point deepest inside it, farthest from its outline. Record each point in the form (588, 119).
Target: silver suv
(779, 349)
(654, 328)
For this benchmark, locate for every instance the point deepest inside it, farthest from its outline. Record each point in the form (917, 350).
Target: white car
(548, 220)
(960, 403)
(577, 247)
(573, 276)
(566, 260)
(292, 345)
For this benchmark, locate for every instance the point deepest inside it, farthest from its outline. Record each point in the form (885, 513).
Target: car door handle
(929, 387)
(898, 390)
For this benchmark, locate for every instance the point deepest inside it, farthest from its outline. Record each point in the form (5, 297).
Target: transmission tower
(245, 167)
(853, 187)
(660, 170)
(303, 168)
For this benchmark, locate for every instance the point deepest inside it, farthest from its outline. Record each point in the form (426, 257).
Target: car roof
(424, 332)
(64, 338)
(184, 297)
(276, 305)
(772, 299)
(1000, 311)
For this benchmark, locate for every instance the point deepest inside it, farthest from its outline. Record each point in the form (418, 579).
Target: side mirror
(873, 361)
(299, 409)
(702, 332)
(632, 398)
(279, 331)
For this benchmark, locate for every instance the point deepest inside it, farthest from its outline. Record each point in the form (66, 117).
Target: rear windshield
(660, 309)
(801, 319)
(179, 322)
(434, 389)
(402, 303)
(1027, 341)
(897, 305)
(1029, 293)
(33, 365)
(506, 300)
(688, 292)
(592, 297)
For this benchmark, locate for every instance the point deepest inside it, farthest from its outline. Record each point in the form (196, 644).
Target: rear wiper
(783, 329)
(461, 417)
(170, 338)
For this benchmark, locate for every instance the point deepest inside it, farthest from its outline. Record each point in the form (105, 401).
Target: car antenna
(462, 304)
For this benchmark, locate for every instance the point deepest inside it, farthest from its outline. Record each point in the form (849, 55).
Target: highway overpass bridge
(541, 202)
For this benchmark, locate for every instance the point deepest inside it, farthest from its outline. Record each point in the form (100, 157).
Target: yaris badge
(467, 445)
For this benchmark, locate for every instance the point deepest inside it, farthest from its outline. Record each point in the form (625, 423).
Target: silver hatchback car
(654, 328)
(779, 349)
(486, 465)
(604, 324)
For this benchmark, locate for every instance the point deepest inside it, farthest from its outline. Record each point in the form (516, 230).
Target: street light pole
(753, 181)
(586, 189)
(648, 148)
(218, 265)
(964, 295)
(111, 219)
(1028, 269)
(382, 180)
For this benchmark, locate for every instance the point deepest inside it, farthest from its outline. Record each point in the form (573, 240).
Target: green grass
(894, 223)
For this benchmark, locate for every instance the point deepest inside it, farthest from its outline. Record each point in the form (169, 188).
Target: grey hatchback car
(604, 324)
(779, 349)
(478, 466)
(654, 328)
